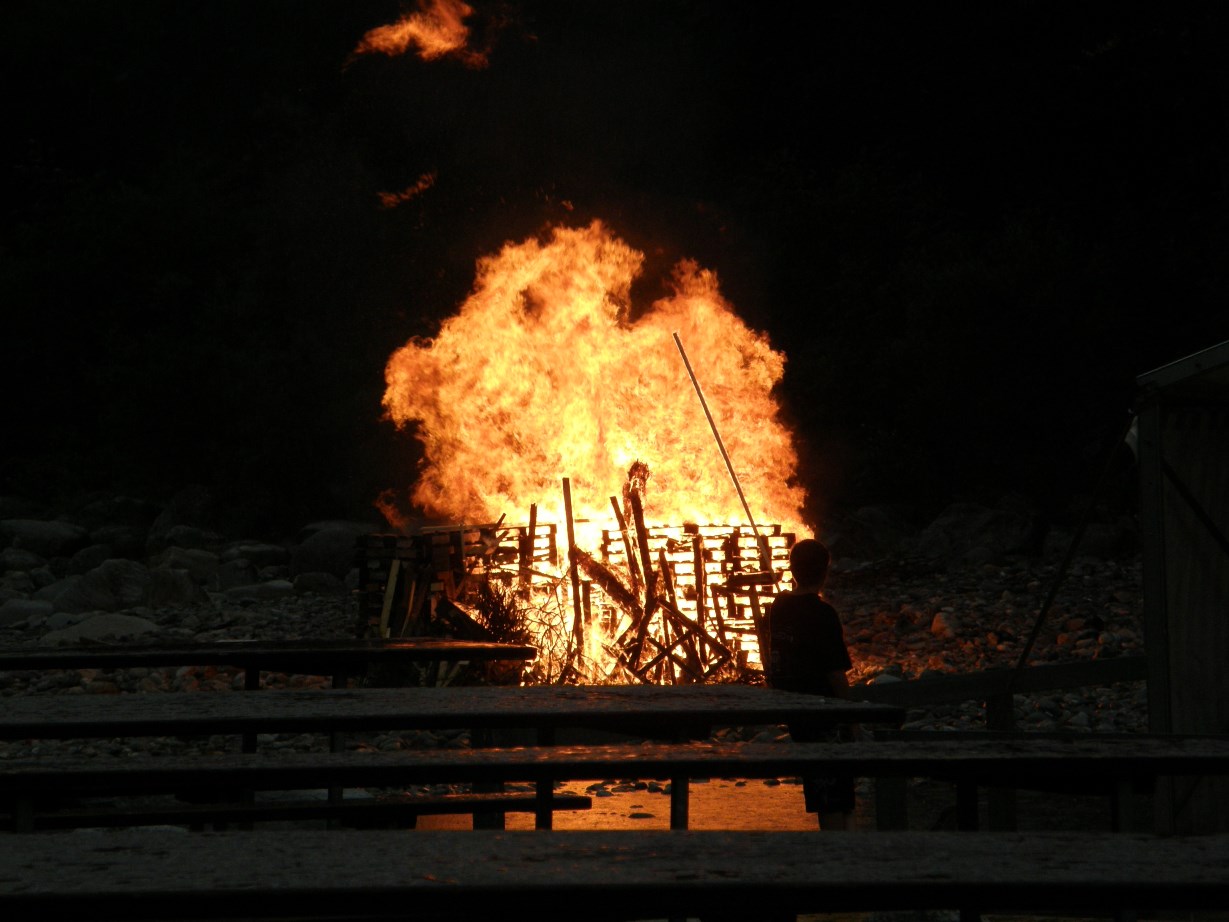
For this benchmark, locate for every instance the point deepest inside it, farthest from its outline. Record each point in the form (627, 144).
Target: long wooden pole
(759, 541)
(578, 626)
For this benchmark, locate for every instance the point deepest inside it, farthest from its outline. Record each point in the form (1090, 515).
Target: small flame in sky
(436, 29)
(546, 372)
(393, 199)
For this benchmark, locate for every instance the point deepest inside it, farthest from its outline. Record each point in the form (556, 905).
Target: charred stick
(609, 584)
(632, 567)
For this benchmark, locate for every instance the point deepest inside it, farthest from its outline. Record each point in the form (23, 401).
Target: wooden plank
(370, 812)
(1018, 762)
(390, 592)
(946, 689)
(613, 707)
(305, 657)
(1090, 765)
(616, 874)
(633, 567)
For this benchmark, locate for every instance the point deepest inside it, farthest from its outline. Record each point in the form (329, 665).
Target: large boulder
(184, 521)
(111, 586)
(111, 626)
(329, 547)
(47, 538)
(871, 533)
(968, 531)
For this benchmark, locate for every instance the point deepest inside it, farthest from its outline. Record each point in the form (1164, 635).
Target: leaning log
(610, 584)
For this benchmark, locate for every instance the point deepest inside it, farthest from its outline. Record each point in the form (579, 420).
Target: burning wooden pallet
(671, 604)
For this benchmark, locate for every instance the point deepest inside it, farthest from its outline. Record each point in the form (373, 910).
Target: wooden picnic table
(675, 711)
(341, 659)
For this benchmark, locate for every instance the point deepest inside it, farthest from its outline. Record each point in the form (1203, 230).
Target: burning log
(525, 551)
(632, 568)
(609, 584)
(650, 578)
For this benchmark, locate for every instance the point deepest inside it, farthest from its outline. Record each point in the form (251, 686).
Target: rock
(319, 584)
(174, 587)
(189, 536)
(200, 564)
(113, 585)
(260, 554)
(256, 592)
(19, 558)
(330, 548)
(88, 558)
(17, 610)
(871, 533)
(53, 591)
(232, 573)
(943, 625)
(109, 626)
(124, 540)
(194, 507)
(43, 537)
(987, 533)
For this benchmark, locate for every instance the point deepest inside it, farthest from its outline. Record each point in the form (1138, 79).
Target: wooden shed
(1183, 451)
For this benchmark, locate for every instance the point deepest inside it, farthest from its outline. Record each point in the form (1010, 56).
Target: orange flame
(437, 29)
(547, 372)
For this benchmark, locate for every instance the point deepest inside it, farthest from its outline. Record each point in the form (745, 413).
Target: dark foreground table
(546, 876)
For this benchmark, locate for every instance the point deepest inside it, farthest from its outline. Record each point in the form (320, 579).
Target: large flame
(547, 372)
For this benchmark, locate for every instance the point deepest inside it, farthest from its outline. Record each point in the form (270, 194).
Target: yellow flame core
(543, 374)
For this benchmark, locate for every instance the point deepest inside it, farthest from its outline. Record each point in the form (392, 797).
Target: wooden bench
(1112, 765)
(671, 711)
(595, 875)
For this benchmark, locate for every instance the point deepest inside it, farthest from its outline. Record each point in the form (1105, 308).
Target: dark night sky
(969, 226)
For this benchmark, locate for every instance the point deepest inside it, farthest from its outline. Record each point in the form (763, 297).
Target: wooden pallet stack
(402, 576)
(679, 604)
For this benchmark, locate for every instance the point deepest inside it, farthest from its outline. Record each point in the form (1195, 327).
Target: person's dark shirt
(806, 644)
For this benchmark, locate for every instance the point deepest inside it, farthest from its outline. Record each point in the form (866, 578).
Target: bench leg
(482, 738)
(891, 803)
(966, 806)
(23, 813)
(1002, 809)
(543, 817)
(679, 807)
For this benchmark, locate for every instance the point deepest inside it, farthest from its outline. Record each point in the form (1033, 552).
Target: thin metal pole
(1068, 557)
(724, 454)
